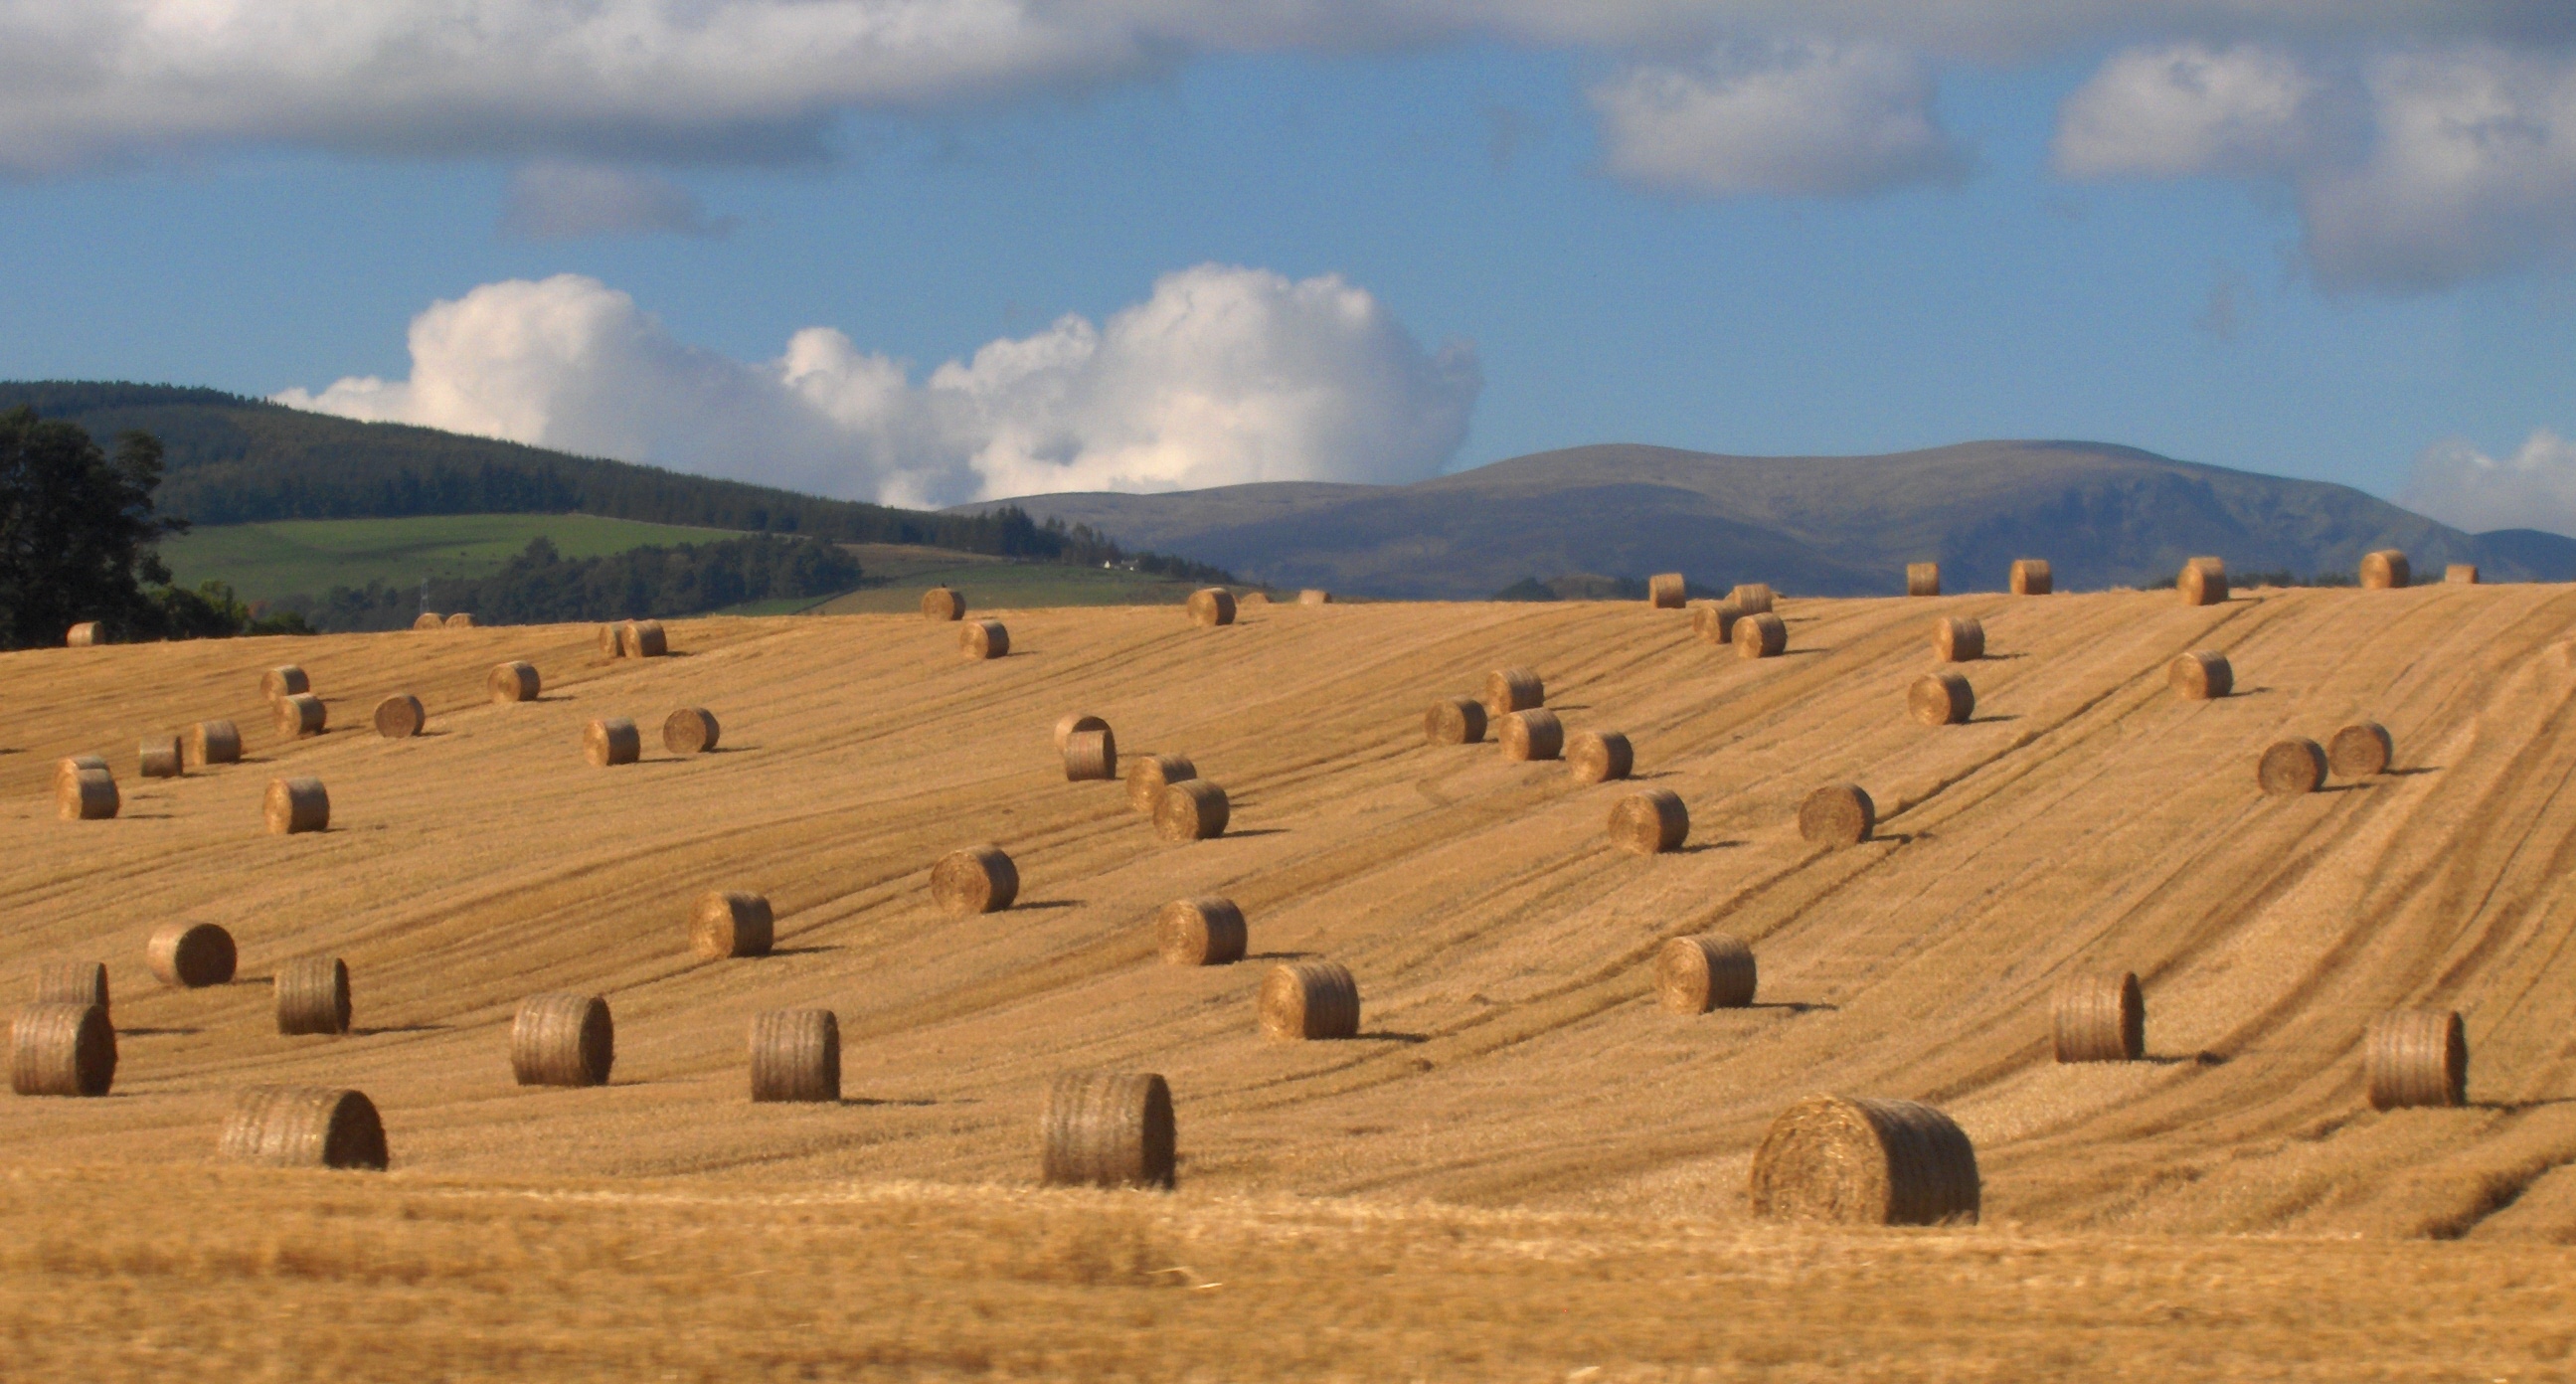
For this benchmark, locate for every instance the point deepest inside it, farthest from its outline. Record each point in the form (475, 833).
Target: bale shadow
(1697, 847)
(2516, 1107)
(1990, 720)
(729, 749)
(1796, 1006)
(2410, 773)
(1047, 903)
(430, 734)
(1658, 774)
(2339, 787)
(825, 946)
(1801, 653)
(397, 1028)
(143, 816)
(556, 696)
(2245, 692)
(2190, 1059)
(1260, 831)
(158, 1032)
(1902, 838)
(1389, 1035)
(915, 1102)
(1279, 955)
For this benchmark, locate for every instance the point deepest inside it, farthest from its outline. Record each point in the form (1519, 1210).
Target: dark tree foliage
(76, 532)
(540, 586)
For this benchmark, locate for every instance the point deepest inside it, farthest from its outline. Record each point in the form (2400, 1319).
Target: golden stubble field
(1522, 1168)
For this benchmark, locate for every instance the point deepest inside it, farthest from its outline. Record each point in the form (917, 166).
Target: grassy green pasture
(991, 583)
(310, 556)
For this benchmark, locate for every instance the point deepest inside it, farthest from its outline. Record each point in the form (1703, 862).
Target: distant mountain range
(1829, 526)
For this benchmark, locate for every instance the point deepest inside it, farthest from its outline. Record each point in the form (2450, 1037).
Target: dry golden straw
(72, 982)
(1191, 810)
(461, 620)
(729, 923)
(1314, 596)
(190, 955)
(1649, 823)
(983, 639)
(645, 639)
(305, 1127)
(300, 715)
(2101, 1018)
(2417, 1057)
(1941, 699)
(1666, 591)
(940, 603)
(978, 879)
(1958, 639)
(1148, 776)
(1073, 721)
(62, 1050)
(1454, 721)
(1760, 635)
(1249, 599)
(796, 1055)
(313, 995)
(1531, 734)
(1752, 597)
(1714, 621)
(73, 766)
(1211, 606)
(159, 757)
(86, 795)
(1106, 1129)
(1598, 756)
(2201, 676)
(1309, 999)
(690, 730)
(1091, 755)
(400, 716)
(2030, 577)
(1694, 975)
(2361, 750)
(2461, 574)
(1512, 689)
(83, 635)
(1205, 931)
(286, 680)
(213, 742)
(562, 1040)
(1838, 814)
(611, 740)
(612, 640)
(2291, 767)
(1854, 1160)
(429, 620)
(2203, 582)
(512, 682)
(1923, 579)
(2385, 569)
(296, 805)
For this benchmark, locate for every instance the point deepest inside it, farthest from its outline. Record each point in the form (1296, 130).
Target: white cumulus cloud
(1223, 375)
(2535, 488)
(2187, 109)
(1802, 119)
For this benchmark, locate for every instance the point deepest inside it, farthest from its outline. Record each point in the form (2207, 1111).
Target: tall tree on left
(77, 531)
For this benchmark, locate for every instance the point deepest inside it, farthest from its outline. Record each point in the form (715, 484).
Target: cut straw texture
(1598, 756)
(1941, 699)
(1314, 596)
(978, 640)
(691, 730)
(86, 634)
(313, 995)
(1923, 579)
(941, 603)
(978, 879)
(2461, 574)
(1714, 621)
(2203, 582)
(1205, 931)
(1211, 606)
(1192, 810)
(62, 1050)
(1149, 775)
(611, 740)
(305, 1127)
(1306, 1000)
(2417, 1057)
(513, 682)
(212, 742)
(1958, 639)
(2030, 577)
(796, 1055)
(1752, 597)
(1106, 1129)
(562, 1040)
(612, 640)
(429, 620)
(1694, 975)
(2384, 570)
(2201, 676)
(1512, 689)
(1091, 755)
(1649, 823)
(72, 982)
(2360, 750)
(2291, 767)
(1666, 591)
(1073, 722)
(86, 794)
(645, 639)
(1761, 635)
(159, 757)
(301, 715)
(1454, 721)
(729, 923)
(285, 680)
(1855, 1160)
(461, 620)
(190, 955)
(1838, 814)
(1531, 734)
(293, 806)
(2101, 1018)
(400, 716)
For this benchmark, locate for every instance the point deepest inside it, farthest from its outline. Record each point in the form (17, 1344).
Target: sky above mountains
(936, 250)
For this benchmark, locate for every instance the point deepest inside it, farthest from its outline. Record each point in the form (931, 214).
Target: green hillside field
(263, 562)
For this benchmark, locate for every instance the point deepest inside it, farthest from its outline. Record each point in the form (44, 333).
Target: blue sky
(1978, 276)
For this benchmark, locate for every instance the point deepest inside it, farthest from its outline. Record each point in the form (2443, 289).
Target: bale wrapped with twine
(512, 682)
(2203, 582)
(62, 1050)
(400, 716)
(1106, 1129)
(429, 620)
(1838, 814)
(1666, 591)
(941, 603)
(646, 639)
(301, 715)
(2360, 750)
(2417, 1057)
(86, 634)
(1856, 1160)
(2461, 574)
(2384, 570)
(72, 982)
(691, 730)
(729, 923)
(1512, 689)
(1149, 775)
(1454, 721)
(1091, 755)
(1958, 639)
(296, 805)
(1649, 823)
(2030, 577)
(1761, 635)
(86, 795)
(1314, 596)
(2201, 676)
(1714, 621)
(1752, 597)
(1205, 931)
(978, 879)
(1531, 734)
(1211, 606)
(213, 742)
(1192, 810)
(1598, 756)
(612, 640)
(982, 639)
(313, 995)
(2291, 767)
(1073, 721)
(191, 956)
(1694, 975)
(562, 1039)
(285, 680)
(1941, 699)
(305, 1127)
(1307, 1000)
(611, 740)
(796, 1055)
(1923, 579)
(159, 757)
(461, 620)
(2101, 1018)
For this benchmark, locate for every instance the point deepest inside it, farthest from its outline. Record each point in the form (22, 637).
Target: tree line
(541, 586)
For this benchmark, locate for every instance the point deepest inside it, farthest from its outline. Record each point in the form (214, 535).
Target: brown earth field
(1522, 1168)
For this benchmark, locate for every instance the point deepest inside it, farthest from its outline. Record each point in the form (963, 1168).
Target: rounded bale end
(1923, 579)
(2417, 1057)
(941, 603)
(191, 956)
(2201, 676)
(1850, 1160)
(2385, 570)
(796, 1056)
(612, 639)
(400, 717)
(1694, 975)
(461, 620)
(1091, 756)
(690, 730)
(213, 742)
(296, 805)
(1106, 1129)
(1309, 1000)
(978, 879)
(1666, 591)
(1206, 931)
(1941, 699)
(1714, 621)
(1454, 721)
(562, 1040)
(159, 756)
(1753, 597)
(1838, 814)
(1314, 596)
(1531, 734)
(1649, 823)
(730, 923)
(305, 1127)
(978, 640)
(1598, 756)
(2101, 1018)
(284, 680)
(62, 1050)
(86, 796)
(429, 620)
(646, 639)
(1958, 639)
(2030, 577)
(1761, 635)
(2291, 767)
(2360, 751)
(2203, 582)
(1211, 606)
(1073, 721)
(1192, 810)
(313, 995)
(513, 682)
(2461, 574)
(301, 715)
(1149, 775)
(1512, 689)
(611, 740)
(86, 634)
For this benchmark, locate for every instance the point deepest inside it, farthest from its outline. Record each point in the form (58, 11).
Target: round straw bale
(2461, 574)
(690, 730)
(213, 742)
(2030, 577)
(646, 639)
(86, 796)
(2203, 582)
(1666, 590)
(611, 740)
(190, 955)
(1752, 597)
(300, 714)
(284, 681)
(1923, 579)
(159, 756)
(612, 640)
(2293, 766)
(1310, 999)
(1191, 810)
(2101, 1018)
(1091, 754)
(1649, 823)
(978, 879)
(2385, 569)
(1206, 931)
(313, 995)
(295, 805)
(1531, 734)
(1314, 596)
(796, 1055)
(72, 982)
(1714, 621)
(461, 620)
(1454, 721)
(1249, 599)
(2417, 1057)
(62, 1050)
(1072, 721)
(731, 922)
(305, 1127)
(83, 635)
(512, 682)
(940, 603)
(73, 766)
(1694, 975)
(1106, 1129)
(1760, 635)
(1211, 606)
(982, 639)
(1941, 699)
(2359, 751)
(1149, 775)
(1853, 1160)
(400, 716)
(1598, 756)
(1838, 814)
(2201, 676)
(562, 1039)
(1512, 689)
(429, 620)
(1958, 639)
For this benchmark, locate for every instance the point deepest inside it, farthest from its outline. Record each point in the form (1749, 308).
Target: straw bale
(1191, 810)
(1314, 596)
(1249, 599)
(1838, 814)
(1106, 1129)
(1760, 635)
(73, 766)
(2384, 570)
(400, 716)
(796, 1056)
(2203, 582)
(2030, 577)
(2359, 751)
(729, 923)
(1512, 689)
(612, 640)
(2101, 1018)
(983, 639)
(84, 635)
(1649, 823)
(1072, 721)
(978, 879)
(213, 742)
(2461, 574)
(646, 639)
(305, 1127)
(159, 756)
(1149, 775)
(691, 730)
(2201, 676)
(1923, 579)
(191, 956)
(2290, 767)
(562, 1039)
(88, 795)
(1454, 721)
(1958, 639)
(1855, 1160)
(1090, 755)
(1714, 621)
(461, 620)
(1598, 756)
(941, 603)
(62, 1050)
(1211, 606)
(301, 715)
(1941, 699)
(313, 995)
(429, 620)
(512, 682)
(1694, 975)
(1666, 591)
(1205, 931)
(1532, 734)
(295, 805)
(611, 740)
(72, 982)
(1309, 999)
(2417, 1057)
(1753, 597)
(285, 680)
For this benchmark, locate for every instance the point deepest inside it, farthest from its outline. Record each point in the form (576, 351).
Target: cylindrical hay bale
(646, 639)
(86, 796)
(461, 620)
(611, 740)
(1512, 689)
(1853, 1160)
(313, 995)
(562, 1040)
(1666, 590)
(512, 682)
(1106, 1129)
(295, 805)
(300, 714)
(729, 923)
(62, 1050)
(400, 716)
(84, 635)
(2461, 574)
(429, 620)
(2418, 1057)
(978, 879)
(1211, 606)
(1752, 597)
(2290, 767)
(1598, 756)
(612, 640)
(2201, 676)
(1838, 814)
(72, 982)
(1072, 721)
(1249, 599)
(190, 955)
(1694, 975)
(1314, 596)
(2203, 582)
(286, 680)
(1958, 639)
(1090, 755)
(305, 1127)
(2385, 569)
(1310, 999)
(1760, 635)
(1200, 932)
(1531, 734)
(796, 1055)
(213, 742)
(73, 766)
(983, 639)
(2030, 577)
(159, 756)
(1149, 776)
(1714, 621)
(940, 603)
(690, 730)
(2101, 1018)
(2359, 751)
(1923, 579)
(1649, 823)
(1191, 810)
(1941, 699)
(1454, 721)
